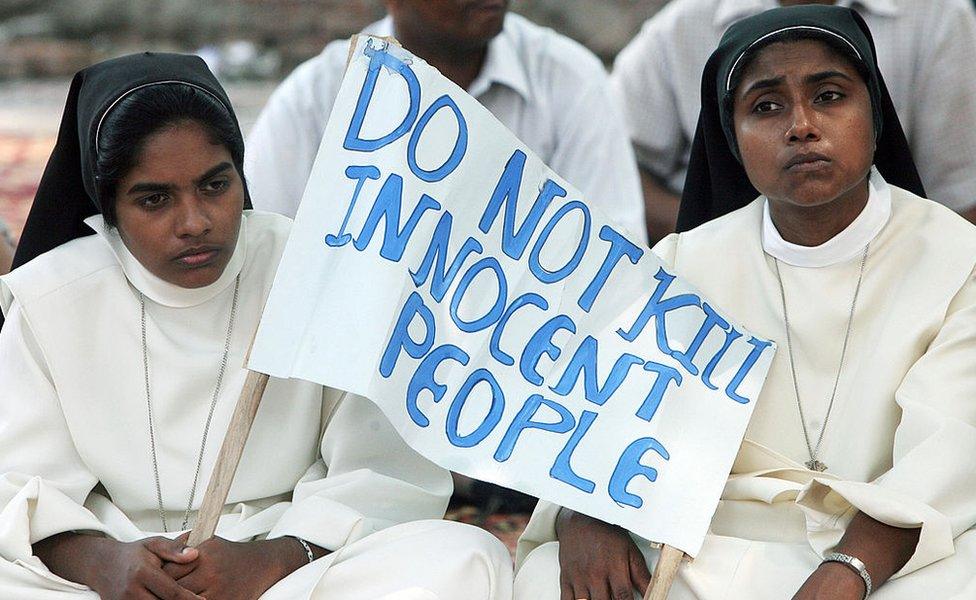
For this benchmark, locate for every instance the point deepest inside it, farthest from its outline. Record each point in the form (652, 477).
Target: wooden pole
(229, 457)
(667, 567)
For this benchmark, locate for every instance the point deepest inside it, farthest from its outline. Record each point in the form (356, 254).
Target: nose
(804, 126)
(193, 219)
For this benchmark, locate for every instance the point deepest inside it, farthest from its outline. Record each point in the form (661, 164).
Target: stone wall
(55, 37)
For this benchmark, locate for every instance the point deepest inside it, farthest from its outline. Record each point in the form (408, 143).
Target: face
(804, 125)
(465, 24)
(179, 209)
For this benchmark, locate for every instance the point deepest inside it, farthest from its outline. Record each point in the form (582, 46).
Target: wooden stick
(667, 567)
(229, 457)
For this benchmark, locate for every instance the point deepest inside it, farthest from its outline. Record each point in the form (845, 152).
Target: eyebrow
(164, 187)
(814, 78)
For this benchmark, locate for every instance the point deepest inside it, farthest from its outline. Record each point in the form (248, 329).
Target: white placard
(509, 331)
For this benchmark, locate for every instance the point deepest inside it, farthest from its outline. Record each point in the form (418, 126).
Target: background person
(925, 50)
(859, 443)
(550, 91)
(121, 364)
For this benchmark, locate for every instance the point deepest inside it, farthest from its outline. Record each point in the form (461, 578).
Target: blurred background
(250, 44)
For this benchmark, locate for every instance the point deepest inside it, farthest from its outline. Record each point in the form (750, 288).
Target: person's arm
(660, 207)
(592, 149)
(883, 549)
(908, 517)
(645, 86)
(942, 138)
(284, 141)
(115, 569)
(6, 250)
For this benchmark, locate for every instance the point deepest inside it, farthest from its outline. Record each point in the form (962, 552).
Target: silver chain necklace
(814, 464)
(206, 427)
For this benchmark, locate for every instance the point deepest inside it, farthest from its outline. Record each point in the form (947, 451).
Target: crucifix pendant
(815, 465)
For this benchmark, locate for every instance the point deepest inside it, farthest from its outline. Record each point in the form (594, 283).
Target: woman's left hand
(238, 570)
(831, 581)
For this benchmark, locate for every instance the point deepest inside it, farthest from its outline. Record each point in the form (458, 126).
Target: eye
(217, 186)
(153, 201)
(765, 106)
(829, 96)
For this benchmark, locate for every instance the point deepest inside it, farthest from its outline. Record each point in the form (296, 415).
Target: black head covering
(66, 195)
(716, 182)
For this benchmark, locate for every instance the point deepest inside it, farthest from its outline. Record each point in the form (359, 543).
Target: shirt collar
(503, 65)
(842, 247)
(729, 11)
(158, 290)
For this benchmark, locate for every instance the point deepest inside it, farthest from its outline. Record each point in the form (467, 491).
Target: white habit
(550, 91)
(319, 464)
(900, 440)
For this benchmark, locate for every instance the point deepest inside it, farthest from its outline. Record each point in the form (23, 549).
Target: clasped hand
(158, 567)
(598, 561)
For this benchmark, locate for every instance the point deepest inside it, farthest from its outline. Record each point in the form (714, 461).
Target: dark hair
(146, 111)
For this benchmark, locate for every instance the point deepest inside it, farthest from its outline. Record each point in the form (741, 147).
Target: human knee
(538, 575)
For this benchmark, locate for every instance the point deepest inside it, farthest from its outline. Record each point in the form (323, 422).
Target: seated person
(550, 91)
(921, 44)
(862, 439)
(121, 363)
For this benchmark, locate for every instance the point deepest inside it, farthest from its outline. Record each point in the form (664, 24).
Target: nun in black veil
(139, 282)
(803, 217)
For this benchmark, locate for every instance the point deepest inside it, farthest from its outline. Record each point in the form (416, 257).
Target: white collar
(842, 247)
(163, 292)
(729, 11)
(502, 62)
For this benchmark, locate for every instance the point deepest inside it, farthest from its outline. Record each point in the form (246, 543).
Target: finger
(565, 591)
(621, 587)
(639, 573)
(171, 550)
(165, 587)
(599, 590)
(178, 571)
(196, 581)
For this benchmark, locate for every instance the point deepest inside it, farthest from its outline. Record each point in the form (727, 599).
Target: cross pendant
(815, 465)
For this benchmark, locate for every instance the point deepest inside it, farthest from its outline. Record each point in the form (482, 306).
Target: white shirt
(925, 50)
(319, 463)
(550, 91)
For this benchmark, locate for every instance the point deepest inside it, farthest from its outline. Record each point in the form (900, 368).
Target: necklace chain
(206, 427)
(814, 464)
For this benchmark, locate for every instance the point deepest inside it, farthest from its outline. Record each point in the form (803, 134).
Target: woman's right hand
(597, 561)
(117, 570)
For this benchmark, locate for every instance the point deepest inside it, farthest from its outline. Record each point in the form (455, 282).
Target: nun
(139, 283)
(803, 217)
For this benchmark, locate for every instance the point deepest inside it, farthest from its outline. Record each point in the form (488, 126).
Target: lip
(198, 256)
(489, 5)
(807, 161)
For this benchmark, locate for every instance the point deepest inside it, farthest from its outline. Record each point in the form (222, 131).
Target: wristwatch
(854, 564)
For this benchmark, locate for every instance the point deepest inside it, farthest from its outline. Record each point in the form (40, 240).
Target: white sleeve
(645, 88)
(43, 480)
(593, 152)
(943, 138)
(367, 479)
(282, 145)
(932, 481)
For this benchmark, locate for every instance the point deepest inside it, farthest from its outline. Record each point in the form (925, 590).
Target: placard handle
(229, 457)
(667, 567)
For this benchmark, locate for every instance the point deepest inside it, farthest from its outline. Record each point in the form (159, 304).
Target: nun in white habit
(856, 476)
(138, 287)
